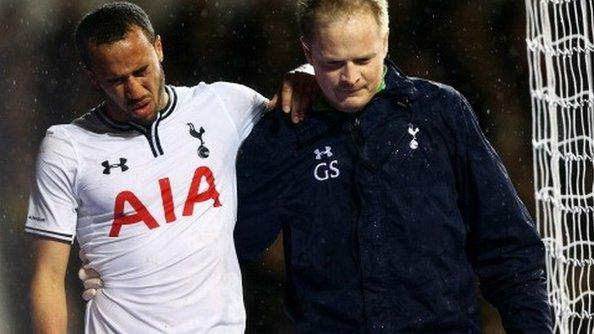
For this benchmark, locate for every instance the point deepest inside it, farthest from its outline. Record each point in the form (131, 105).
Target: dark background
(476, 46)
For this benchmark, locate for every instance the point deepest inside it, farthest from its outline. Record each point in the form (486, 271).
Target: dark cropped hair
(110, 23)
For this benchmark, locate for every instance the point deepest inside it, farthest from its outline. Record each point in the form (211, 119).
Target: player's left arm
(48, 294)
(503, 245)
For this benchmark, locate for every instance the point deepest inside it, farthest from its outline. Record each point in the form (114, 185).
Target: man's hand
(90, 278)
(296, 94)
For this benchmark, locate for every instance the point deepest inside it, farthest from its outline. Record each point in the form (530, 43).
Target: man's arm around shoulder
(48, 294)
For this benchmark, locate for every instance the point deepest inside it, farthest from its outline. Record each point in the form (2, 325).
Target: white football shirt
(153, 208)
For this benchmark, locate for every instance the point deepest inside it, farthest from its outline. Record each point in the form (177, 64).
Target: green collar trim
(382, 85)
(321, 105)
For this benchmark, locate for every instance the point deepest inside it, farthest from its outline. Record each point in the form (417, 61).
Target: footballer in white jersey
(153, 208)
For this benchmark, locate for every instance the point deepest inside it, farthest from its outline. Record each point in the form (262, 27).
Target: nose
(350, 74)
(133, 89)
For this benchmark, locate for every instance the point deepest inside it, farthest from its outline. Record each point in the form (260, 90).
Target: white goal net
(561, 55)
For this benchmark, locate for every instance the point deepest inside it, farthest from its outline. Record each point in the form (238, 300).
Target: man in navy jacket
(390, 199)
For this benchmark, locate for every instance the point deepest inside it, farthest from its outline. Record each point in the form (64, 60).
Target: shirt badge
(203, 151)
(414, 144)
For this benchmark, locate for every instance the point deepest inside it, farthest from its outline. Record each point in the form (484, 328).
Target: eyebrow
(367, 56)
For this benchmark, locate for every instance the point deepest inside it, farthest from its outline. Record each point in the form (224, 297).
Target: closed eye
(116, 80)
(362, 61)
(141, 71)
(334, 64)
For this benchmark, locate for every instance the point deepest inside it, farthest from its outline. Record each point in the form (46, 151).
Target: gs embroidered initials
(142, 214)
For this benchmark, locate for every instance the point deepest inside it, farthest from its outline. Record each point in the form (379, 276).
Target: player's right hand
(90, 278)
(296, 93)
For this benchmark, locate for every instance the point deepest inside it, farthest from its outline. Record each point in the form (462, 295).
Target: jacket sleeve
(503, 245)
(261, 182)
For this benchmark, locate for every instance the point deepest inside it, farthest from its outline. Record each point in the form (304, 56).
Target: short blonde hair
(308, 11)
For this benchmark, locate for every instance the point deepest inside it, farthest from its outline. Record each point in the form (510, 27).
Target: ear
(159, 48)
(386, 41)
(306, 49)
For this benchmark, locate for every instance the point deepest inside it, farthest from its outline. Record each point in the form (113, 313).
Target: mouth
(349, 90)
(141, 108)
(141, 104)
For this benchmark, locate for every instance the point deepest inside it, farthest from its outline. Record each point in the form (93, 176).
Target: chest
(395, 172)
(398, 154)
(160, 175)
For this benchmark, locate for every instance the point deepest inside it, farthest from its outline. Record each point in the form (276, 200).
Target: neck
(115, 112)
(164, 98)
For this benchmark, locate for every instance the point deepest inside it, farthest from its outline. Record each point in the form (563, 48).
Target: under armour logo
(108, 167)
(414, 144)
(327, 152)
(203, 151)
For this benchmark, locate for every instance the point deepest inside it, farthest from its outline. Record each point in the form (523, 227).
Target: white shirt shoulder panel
(243, 105)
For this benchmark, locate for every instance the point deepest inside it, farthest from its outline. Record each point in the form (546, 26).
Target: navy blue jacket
(388, 214)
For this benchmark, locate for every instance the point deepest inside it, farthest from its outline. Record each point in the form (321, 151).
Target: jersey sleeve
(52, 203)
(243, 105)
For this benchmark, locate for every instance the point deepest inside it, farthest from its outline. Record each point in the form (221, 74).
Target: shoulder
(273, 136)
(439, 101)
(221, 88)
(227, 93)
(87, 125)
(65, 139)
(274, 123)
(60, 133)
(231, 88)
(433, 92)
(57, 150)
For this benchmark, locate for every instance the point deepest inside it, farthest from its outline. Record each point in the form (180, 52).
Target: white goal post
(560, 37)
